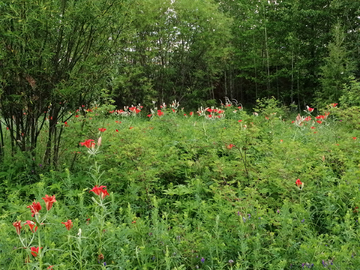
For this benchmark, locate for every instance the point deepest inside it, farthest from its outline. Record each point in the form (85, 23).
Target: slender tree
(55, 56)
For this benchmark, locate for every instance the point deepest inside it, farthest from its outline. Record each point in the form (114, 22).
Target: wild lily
(17, 225)
(49, 200)
(34, 251)
(31, 225)
(299, 184)
(91, 146)
(35, 207)
(100, 191)
(68, 224)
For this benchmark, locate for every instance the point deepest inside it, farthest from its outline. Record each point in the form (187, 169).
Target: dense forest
(297, 51)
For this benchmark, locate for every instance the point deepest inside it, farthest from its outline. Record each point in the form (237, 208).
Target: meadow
(217, 188)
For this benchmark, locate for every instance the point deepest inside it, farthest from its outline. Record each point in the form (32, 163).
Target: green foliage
(195, 191)
(337, 68)
(351, 93)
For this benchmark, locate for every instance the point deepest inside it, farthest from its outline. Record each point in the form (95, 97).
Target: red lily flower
(298, 182)
(88, 143)
(160, 113)
(31, 225)
(17, 225)
(35, 251)
(104, 193)
(68, 224)
(49, 200)
(319, 122)
(100, 191)
(102, 129)
(97, 190)
(229, 146)
(35, 207)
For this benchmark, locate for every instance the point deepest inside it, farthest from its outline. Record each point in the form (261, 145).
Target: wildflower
(312, 127)
(149, 115)
(100, 191)
(31, 225)
(102, 129)
(50, 267)
(35, 251)
(309, 109)
(77, 116)
(17, 225)
(191, 113)
(303, 221)
(68, 224)
(240, 121)
(281, 140)
(35, 207)
(202, 259)
(131, 127)
(354, 138)
(116, 130)
(49, 200)
(229, 146)
(160, 113)
(299, 183)
(319, 122)
(88, 143)
(334, 104)
(231, 261)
